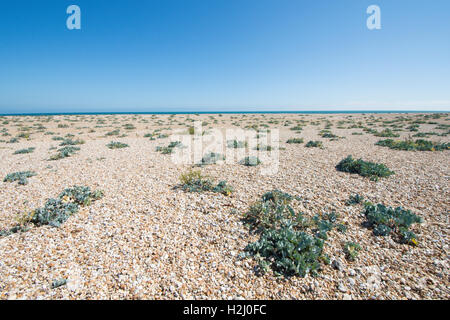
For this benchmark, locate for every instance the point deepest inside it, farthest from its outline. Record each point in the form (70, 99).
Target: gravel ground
(146, 239)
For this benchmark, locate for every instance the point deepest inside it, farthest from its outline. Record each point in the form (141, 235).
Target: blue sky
(224, 55)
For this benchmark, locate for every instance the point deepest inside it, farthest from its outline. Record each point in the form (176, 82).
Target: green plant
(364, 168)
(315, 144)
(387, 220)
(212, 158)
(170, 147)
(194, 181)
(386, 133)
(20, 176)
(410, 145)
(354, 199)
(250, 161)
(116, 145)
(263, 147)
(70, 142)
(27, 150)
(57, 211)
(288, 252)
(64, 152)
(236, 144)
(290, 244)
(351, 250)
(295, 140)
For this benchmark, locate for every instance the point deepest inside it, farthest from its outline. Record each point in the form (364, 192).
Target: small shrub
(236, 144)
(290, 244)
(354, 199)
(295, 140)
(116, 145)
(314, 144)
(64, 152)
(351, 250)
(56, 211)
(23, 151)
(193, 181)
(386, 133)
(113, 133)
(386, 220)
(251, 161)
(262, 147)
(170, 147)
(212, 158)
(364, 168)
(410, 145)
(70, 142)
(20, 176)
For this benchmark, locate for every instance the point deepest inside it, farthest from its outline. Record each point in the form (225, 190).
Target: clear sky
(224, 55)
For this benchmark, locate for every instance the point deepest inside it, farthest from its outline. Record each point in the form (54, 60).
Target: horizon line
(220, 112)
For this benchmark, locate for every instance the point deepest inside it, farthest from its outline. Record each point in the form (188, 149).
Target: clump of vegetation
(70, 142)
(117, 145)
(113, 133)
(295, 140)
(389, 221)
(20, 176)
(212, 158)
(194, 181)
(64, 152)
(262, 147)
(23, 151)
(170, 147)
(250, 161)
(80, 195)
(314, 144)
(56, 211)
(410, 145)
(351, 250)
(354, 199)
(386, 133)
(236, 144)
(290, 243)
(364, 168)
(327, 134)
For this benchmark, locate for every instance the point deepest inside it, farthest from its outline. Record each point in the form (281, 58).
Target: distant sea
(220, 112)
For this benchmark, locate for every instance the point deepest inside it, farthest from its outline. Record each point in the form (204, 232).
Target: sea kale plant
(212, 158)
(236, 144)
(410, 145)
(23, 151)
(351, 250)
(20, 176)
(250, 161)
(170, 148)
(314, 144)
(64, 152)
(290, 243)
(194, 181)
(56, 211)
(385, 221)
(354, 199)
(295, 140)
(116, 145)
(364, 168)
